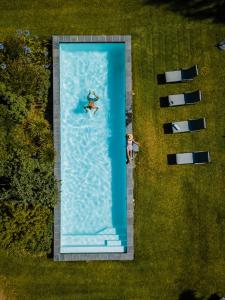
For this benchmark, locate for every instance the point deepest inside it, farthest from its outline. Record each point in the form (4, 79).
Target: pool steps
(111, 249)
(87, 239)
(106, 240)
(114, 243)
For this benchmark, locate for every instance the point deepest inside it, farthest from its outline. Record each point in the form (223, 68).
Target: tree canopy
(27, 183)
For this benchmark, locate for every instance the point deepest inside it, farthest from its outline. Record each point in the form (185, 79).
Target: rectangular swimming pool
(93, 172)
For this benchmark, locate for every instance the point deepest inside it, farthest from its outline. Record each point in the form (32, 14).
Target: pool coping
(56, 39)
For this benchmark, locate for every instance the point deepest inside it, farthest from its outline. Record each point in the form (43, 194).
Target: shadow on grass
(214, 297)
(167, 127)
(172, 160)
(195, 9)
(164, 101)
(189, 295)
(161, 79)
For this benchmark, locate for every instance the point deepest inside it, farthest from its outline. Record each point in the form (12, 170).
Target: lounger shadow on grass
(164, 101)
(161, 79)
(167, 128)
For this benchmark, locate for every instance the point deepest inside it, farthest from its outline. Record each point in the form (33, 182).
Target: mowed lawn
(179, 210)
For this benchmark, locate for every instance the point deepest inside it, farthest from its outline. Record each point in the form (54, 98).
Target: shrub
(4, 155)
(27, 79)
(38, 132)
(17, 106)
(25, 228)
(24, 62)
(31, 182)
(29, 173)
(28, 187)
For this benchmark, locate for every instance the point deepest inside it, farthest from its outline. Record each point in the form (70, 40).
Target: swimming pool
(93, 157)
(93, 219)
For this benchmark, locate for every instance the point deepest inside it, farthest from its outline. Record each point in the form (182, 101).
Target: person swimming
(92, 98)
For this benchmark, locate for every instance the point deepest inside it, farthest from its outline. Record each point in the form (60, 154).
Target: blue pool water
(93, 148)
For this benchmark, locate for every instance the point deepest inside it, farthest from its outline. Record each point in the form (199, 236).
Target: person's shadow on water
(79, 109)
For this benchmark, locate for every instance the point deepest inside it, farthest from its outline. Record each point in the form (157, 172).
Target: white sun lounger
(186, 98)
(185, 126)
(181, 75)
(199, 157)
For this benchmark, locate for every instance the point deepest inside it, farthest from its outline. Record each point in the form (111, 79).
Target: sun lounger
(181, 75)
(181, 99)
(185, 126)
(200, 157)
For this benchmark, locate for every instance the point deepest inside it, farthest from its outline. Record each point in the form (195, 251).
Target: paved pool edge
(129, 255)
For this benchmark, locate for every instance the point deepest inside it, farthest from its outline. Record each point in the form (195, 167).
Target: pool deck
(129, 255)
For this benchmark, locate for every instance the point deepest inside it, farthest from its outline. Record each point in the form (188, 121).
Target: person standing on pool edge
(92, 98)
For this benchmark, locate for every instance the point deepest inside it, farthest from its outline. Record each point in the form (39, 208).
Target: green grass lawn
(179, 210)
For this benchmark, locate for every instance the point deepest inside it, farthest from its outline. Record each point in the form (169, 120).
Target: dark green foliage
(31, 182)
(25, 228)
(27, 79)
(27, 184)
(25, 67)
(38, 132)
(3, 141)
(30, 162)
(17, 106)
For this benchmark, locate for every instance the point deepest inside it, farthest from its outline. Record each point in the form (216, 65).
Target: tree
(25, 228)
(28, 190)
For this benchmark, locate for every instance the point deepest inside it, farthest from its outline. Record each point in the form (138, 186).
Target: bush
(17, 106)
(28, 188)
(4, 155)
(24, 62)
(25, 228)
(38, 131)
(27, 79)
(31, 182)
(29, 171)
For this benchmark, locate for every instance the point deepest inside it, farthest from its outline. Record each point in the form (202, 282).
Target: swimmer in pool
(92, 98)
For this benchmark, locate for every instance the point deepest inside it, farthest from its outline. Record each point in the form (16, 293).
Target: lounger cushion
(184, 158)
(192, 97)
(197, 124)
(181, 127)
(189, 74)
(176, 99)
(176, 127)
(173, 76)
(201, 157)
